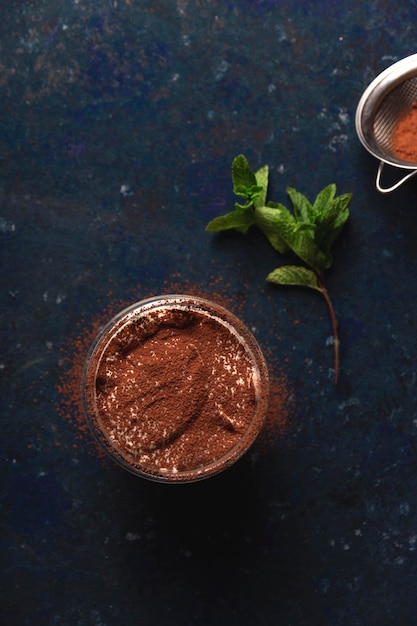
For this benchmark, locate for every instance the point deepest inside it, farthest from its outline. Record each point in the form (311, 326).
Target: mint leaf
(301, 206)
(293, 275)
(331, 222)
(324, 200)
(241, 220)
(242, 175)
(262, 176)
(266, 220)
(302, 244)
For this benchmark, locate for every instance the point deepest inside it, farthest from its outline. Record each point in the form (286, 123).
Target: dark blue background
(319, 529)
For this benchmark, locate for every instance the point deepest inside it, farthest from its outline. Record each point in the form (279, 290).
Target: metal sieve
(390, 95)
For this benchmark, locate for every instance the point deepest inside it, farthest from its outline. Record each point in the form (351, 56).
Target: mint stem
(335, 324)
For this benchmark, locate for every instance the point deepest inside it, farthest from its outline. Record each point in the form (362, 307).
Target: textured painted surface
(118, 125)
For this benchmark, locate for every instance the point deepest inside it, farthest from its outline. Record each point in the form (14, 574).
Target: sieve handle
(393, 187)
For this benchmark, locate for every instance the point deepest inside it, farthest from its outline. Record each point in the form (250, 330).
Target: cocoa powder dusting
(176, 392)
(404, 137)
(75, 349)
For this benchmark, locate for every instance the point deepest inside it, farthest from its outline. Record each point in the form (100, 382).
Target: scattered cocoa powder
(75, 349)
(404, 137)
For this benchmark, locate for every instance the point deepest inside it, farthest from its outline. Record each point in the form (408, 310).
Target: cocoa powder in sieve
(404, 137)
(174, 391)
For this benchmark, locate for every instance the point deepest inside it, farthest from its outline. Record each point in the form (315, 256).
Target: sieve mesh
(395, 104)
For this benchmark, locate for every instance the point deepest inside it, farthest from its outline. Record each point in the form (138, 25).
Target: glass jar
(175, 388)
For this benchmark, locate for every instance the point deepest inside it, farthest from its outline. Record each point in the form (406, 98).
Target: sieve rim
(370, 101)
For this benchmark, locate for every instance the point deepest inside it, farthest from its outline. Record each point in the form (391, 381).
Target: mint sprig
(309, 231)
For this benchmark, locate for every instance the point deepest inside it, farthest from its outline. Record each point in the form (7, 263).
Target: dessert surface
(174, 391)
